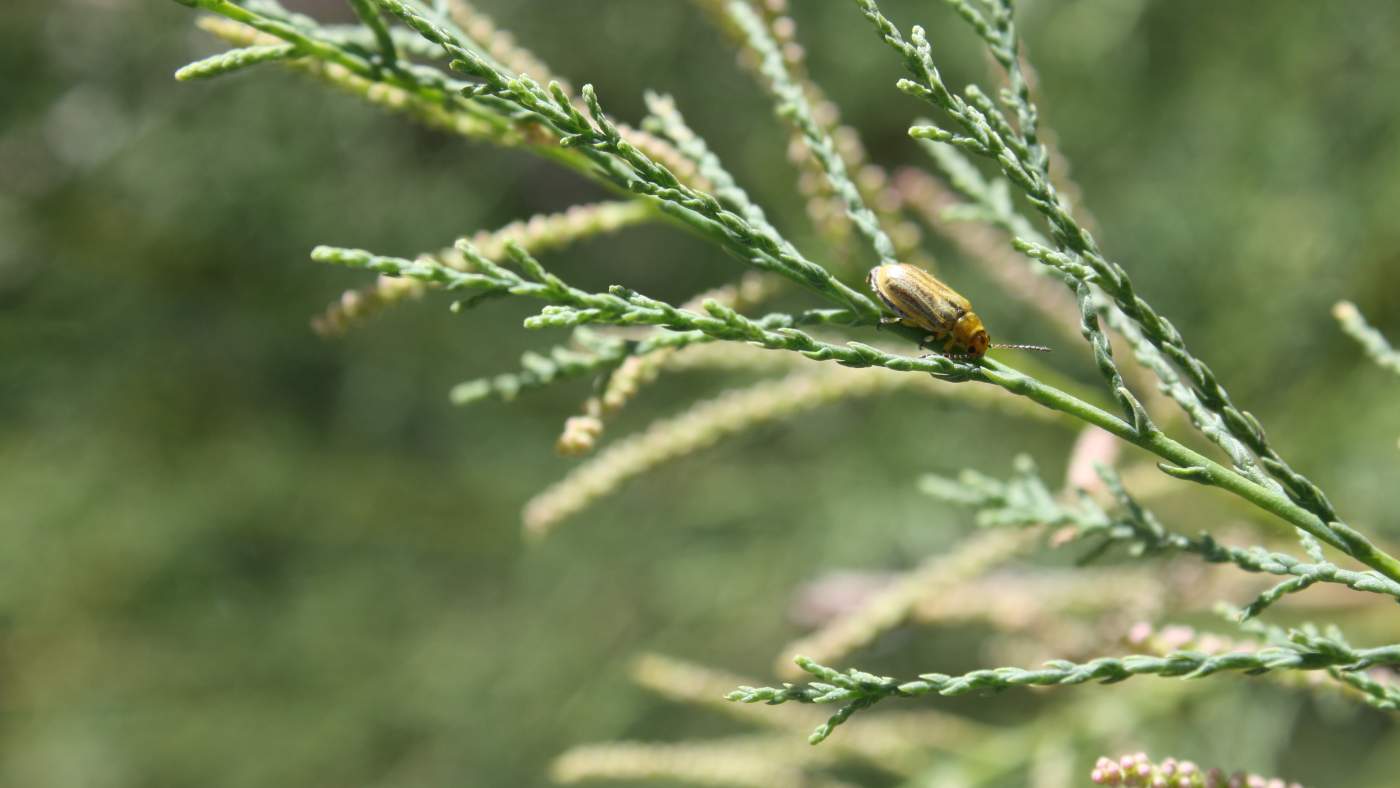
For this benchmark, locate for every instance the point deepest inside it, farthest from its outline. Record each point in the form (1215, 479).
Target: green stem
(369, 15)
(286, 32)
(1199, 467)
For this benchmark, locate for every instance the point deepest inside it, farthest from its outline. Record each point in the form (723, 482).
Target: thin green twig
(856, 689)
(234, 60)
(792, 104)
(369, 15)
(1025, 500)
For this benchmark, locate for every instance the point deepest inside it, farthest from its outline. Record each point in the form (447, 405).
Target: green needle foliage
(234, 60)
(432, 66)
(571, 307)
(858, 690)
(792, 103)
(1024, 500)
(985, 131)
(624, 165)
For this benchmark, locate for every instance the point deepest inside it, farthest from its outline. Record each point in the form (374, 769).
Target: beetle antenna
(951, 356)
(1037, 348)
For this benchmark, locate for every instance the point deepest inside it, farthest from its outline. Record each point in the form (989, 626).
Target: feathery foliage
(418, 58)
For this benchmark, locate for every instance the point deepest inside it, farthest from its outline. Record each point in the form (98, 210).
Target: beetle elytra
(920, 300)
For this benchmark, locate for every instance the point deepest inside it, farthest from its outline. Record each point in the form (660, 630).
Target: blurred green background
(235, 554)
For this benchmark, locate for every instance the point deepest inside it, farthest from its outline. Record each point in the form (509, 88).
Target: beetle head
(970, 333)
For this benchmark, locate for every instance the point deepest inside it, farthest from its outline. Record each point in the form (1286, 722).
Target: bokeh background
(233, 553)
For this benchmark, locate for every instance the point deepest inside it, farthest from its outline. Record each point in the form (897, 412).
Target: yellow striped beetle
(921, 301)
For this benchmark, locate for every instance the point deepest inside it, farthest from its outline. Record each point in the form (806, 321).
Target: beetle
(920, 300)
